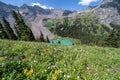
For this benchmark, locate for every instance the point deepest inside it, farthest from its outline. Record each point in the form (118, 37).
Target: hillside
(41, 61)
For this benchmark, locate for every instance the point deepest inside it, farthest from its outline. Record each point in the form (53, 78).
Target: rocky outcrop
(109, 12)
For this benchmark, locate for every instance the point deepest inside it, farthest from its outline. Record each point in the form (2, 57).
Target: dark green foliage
(22, 30)
(2, 32)
(86, 28)
(11, 67)
(42, 37)
(48, 40)
(18, 31)
(8, 29)
(48, 24)
(113, 40)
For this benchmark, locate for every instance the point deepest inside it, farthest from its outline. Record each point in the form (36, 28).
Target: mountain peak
(24, 5)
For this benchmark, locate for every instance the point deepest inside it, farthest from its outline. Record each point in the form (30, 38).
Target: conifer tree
(41, 37)
(8, 29)
(17, 29)
(22, 30)
(2, 32)
(48, 40)
(113, 40)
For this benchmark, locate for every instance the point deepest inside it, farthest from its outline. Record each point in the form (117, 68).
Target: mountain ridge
(108, 12)
(33, 15)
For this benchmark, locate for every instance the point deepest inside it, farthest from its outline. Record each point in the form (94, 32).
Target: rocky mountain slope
(108, 12)
(34, 16)
(5, 9)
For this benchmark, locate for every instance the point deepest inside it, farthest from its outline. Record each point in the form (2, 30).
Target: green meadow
(20, 60)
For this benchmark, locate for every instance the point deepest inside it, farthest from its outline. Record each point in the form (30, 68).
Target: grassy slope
(74, 62)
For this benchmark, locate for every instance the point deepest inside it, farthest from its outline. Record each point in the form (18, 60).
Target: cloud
(86, 2)
(42, 6)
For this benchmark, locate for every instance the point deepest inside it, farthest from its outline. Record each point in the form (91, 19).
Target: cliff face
(109, 12)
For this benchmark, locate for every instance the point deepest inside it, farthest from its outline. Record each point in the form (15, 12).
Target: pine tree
(22, 30)
(48, 40)
(3, 35)
(17, 29)
(113, 40)
(41, 37)
(8, 29)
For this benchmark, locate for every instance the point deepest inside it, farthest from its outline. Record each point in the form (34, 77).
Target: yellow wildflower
(57, 71)
(25, 71)
(1, 59)
(54, 76)
(28, 72)
(31, 71)
(119, 77)
(47, 49)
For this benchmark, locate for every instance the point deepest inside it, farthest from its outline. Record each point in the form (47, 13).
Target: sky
(56, 4)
